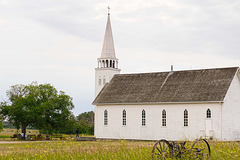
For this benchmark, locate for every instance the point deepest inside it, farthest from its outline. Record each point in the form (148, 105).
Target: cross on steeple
(109, 10)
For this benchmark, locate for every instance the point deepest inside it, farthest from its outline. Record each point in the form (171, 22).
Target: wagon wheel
(201, 149)
(161, 150)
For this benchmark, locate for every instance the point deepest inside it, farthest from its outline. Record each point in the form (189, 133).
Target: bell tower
(107, 63)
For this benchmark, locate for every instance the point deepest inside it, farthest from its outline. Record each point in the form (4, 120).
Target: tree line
(42, 107)
(84, 122)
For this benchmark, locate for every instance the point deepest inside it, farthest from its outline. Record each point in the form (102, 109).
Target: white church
(175, 105)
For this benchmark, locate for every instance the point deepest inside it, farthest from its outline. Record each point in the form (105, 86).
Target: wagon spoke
(159, 150)
(158, 155)
(160, 146)
(166, 149)
(201, 149)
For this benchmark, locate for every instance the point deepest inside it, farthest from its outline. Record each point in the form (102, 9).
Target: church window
(110, 63)
(185, 118)
(103, 64)
(99, 64)
(104, 80)
(107, 62)
(164, 118)
(124, 114)
(99, 81)
(143, 118)
(113, 64)
(208, 113)
(105, 117)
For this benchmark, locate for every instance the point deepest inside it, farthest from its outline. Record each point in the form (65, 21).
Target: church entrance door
(208, 127)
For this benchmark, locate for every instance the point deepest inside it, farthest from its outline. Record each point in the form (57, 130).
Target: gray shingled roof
(181, 86)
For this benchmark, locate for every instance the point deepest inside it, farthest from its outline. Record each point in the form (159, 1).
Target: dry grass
(76, 150)
(95, 150)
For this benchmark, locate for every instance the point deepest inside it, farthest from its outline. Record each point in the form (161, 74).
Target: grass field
(113, 150)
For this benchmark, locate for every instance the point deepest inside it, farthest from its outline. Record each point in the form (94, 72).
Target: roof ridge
(175, 71)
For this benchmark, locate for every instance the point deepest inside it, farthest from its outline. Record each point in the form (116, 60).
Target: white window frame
(104, 80)
(143, 117)
(124, 117)
(208, 114)
(99, 81)
(105, 117)
(185, 116)
(164, 118)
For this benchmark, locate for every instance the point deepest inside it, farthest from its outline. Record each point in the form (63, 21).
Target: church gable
(163, 87)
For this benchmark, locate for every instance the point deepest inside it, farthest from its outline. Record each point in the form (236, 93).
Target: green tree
(41, 106)
(87, 117)
(71, 125)
(1, 124)
(86, 122)
(55, 109)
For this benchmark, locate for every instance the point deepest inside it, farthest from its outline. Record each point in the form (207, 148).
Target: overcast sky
(59, 41)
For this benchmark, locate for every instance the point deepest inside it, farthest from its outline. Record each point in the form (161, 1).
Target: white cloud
(4, 1)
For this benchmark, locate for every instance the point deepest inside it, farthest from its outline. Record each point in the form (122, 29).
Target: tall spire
(108, 50)
(107, 63)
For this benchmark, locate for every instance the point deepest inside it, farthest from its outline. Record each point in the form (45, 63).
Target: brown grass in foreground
(102, 150)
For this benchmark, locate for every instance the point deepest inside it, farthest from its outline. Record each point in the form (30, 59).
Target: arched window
(164, 118)
(124, 115)
(110, 63)
(99, 64)
(104, 80)
(185, 118)
(99, 81)
(143, 118)
(103, 64)
(107, 63)
(105, 117)
(113, 64)
(208, 113)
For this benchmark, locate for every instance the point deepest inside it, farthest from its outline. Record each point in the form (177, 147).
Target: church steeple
(108, 50)
(108, 58)
(107, 63)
